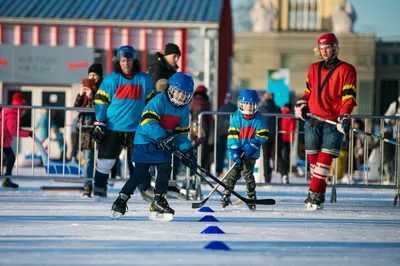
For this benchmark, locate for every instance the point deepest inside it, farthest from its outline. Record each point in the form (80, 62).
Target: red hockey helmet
(327, 39)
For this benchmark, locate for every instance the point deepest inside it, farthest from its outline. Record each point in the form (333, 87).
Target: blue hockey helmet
(248, 102)
(126, 51)
(180, 89)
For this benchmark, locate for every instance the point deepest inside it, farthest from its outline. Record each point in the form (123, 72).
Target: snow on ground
(61, 228)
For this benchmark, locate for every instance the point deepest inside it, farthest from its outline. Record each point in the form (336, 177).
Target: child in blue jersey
(119, 103)
(247, 132)
(164, 126)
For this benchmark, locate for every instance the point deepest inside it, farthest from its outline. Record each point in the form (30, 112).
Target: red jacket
(337, 96)
(288, 124)
(10, 127)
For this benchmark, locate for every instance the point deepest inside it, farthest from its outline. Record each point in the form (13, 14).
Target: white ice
(61, 228)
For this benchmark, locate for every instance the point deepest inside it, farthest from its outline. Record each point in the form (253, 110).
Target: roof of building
(122, 11)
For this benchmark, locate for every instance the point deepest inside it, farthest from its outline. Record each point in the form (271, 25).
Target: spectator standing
(288, 126)
(269, 106)
(222, 131)
(85, 121)
(10, 130)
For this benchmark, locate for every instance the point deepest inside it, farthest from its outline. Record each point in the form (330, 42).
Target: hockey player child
(164, 127)
(330, 93)
(247, 132)
(119, 103)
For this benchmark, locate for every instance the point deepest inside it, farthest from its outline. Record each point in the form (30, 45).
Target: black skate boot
(312, 202)
(159, 208)
(99, 193)
(225, 200)
(7, 183)
(87, 191)
(119, 206)
(252, 196)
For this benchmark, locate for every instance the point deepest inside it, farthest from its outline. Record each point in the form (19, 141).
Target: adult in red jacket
(330, 93)
(11, 121)
(288, 126)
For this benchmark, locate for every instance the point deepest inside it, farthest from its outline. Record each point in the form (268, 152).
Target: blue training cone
(212, 230)
(205, 209)
(208, 218)
(217, 245)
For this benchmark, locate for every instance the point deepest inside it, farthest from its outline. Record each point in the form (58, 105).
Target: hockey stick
(196, 205)
(354, 129)
(200, 170)
(208, 183)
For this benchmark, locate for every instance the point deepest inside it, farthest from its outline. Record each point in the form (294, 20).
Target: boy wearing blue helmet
(164, 126)
(247, 132)
(118, 104)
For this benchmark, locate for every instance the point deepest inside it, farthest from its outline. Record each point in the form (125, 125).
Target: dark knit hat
(96, 68)
(172, 48)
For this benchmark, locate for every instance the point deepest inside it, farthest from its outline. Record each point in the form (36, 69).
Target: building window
(396, 59)
(384, 59)
(302, 14)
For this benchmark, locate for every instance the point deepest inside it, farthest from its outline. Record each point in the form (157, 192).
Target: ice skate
(225, 200)
(119, 206)
(7, 183)
(252, 196)
(87, 191)
(314, 201)
(99, 193)
(160, 210)
(285, 179)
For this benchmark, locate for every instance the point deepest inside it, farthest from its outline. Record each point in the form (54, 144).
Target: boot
(87, 191)
(120, 204)
(160, 204)
(313, 201)
(225, 200)
(252, 196)
(100, 192)
(7, 183)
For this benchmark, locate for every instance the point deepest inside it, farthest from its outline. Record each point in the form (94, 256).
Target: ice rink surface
(62, 228)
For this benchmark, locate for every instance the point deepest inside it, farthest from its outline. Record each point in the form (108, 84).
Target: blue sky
(379, 17)
(373, 16)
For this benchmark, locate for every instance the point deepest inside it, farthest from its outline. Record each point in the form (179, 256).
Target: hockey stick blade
(245, 200)
(201, 171)
(197, 205)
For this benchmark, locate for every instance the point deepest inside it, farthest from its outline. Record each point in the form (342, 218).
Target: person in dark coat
(222, 126)
(85, 121)
(163, 66)
(268, 105)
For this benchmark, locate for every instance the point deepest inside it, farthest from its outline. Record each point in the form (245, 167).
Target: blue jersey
(120, 101)
(242, 131)
(160, 116)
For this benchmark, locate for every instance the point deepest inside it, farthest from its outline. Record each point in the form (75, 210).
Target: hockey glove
(301, 109)
(235, 154)
(99, 131)
(250, 148)
(167, 142)
(344, 124)
(189, 159)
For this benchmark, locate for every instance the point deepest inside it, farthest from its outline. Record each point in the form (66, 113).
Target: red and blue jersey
(241, 131)
(120, 101)
(159, 117)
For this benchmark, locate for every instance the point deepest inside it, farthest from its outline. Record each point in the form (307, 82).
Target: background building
(387, 75)
(289, 42)
(94, 30)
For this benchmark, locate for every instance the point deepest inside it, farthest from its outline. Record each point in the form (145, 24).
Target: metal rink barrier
(65, 170)
(354, 177)
(54, 169)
